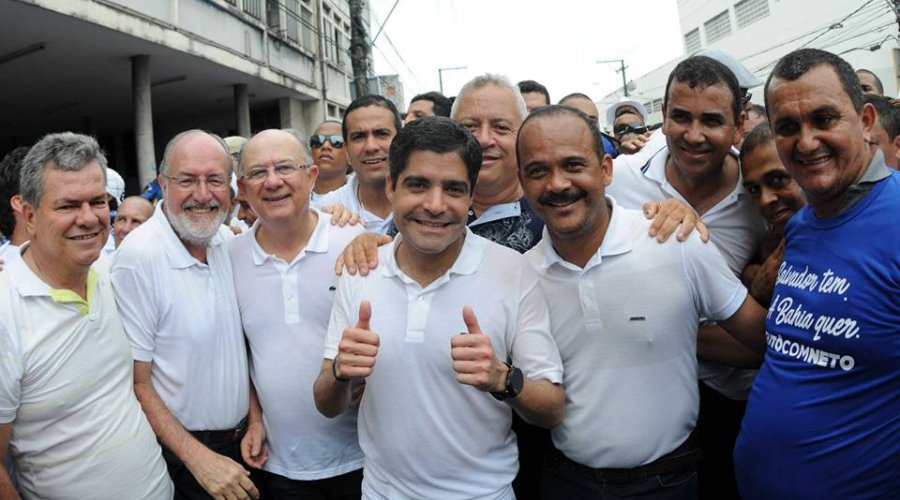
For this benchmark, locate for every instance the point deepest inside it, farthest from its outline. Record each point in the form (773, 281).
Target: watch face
(515, 382)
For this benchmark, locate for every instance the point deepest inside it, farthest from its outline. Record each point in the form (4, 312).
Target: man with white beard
(173, 284)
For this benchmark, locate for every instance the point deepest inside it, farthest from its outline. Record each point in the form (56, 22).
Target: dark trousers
(533, 443)
(564, 479)
(187, 488)
(344, 487)
(717, 428)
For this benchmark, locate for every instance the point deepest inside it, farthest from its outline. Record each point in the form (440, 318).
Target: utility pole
(359, 48)
(622, 70)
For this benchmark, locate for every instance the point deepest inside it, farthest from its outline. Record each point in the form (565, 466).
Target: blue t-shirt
(823, 418)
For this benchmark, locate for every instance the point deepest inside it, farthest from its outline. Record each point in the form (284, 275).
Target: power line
(836, 25)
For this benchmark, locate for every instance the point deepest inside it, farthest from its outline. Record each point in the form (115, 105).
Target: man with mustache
(624, 315)
(175, 292)
(823, 418)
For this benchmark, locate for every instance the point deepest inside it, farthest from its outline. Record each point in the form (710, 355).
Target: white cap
(625, 101)
(746, 79)
(115, 185)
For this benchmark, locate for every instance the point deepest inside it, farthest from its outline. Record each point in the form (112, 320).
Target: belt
(220, 437)
(682, 457)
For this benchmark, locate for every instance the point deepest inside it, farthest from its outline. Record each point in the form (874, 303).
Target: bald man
(133, 212)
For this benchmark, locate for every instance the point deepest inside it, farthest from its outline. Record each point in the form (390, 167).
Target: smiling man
(175, 292)
(624, 316)
(284, 284)
(823, 419)
(460, 336)
(370, 123)
(67, 410)
(133, 211)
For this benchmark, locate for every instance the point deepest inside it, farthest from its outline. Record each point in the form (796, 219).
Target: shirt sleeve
(137, 307)
(717, 292)
(11, 370)
(534, 350)
(340, 319)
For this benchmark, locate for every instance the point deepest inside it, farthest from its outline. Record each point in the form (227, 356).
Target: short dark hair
(878, 84)
(440, 101)
(799, 62)
(758, 109)
(533, 86)
(703, 72)
(436, 134)
(888, 115)
(759, 136)
(575, 95)
(9, 187)
(560, 110)
(371, 100)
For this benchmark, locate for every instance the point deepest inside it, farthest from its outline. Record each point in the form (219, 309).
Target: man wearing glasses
(285, 288)
(626, 118)
(328, 153)
(174, 289)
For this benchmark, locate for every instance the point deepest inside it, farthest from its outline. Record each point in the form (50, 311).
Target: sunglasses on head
(626, 128)
(319, 140)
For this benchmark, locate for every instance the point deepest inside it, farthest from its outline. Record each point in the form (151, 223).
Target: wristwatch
(515, 380)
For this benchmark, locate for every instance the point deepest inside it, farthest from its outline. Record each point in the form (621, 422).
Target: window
(273, 16)
(306, 28)
(749, 11)
(293, 19)
(253, 8)
(338, 41)
(692, 41)
(327, 32)
(718, 27)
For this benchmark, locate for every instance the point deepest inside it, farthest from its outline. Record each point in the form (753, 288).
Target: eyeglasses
(282, 171)
(191, 183)
(629, 128)
(319, 140)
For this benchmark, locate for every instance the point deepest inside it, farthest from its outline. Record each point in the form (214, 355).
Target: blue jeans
(564, 479)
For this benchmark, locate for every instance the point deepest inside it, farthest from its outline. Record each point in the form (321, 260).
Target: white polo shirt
(346, 195)
(424, 435)
(626, 327)
(182, 315)
(735, 227)
(285, 309)
(66, 385)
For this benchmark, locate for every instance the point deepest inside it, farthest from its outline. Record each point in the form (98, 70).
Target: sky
(556, 42)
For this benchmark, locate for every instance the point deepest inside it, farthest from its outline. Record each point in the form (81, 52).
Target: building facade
(135, 72)
(760, 32)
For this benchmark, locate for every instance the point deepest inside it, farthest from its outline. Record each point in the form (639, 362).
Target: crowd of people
(491, 299)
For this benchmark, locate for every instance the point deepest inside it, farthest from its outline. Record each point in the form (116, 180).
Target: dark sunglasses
(319, 140)
(625, 128)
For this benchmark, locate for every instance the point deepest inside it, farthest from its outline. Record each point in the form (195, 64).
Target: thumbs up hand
(473, 357)
(358, 347)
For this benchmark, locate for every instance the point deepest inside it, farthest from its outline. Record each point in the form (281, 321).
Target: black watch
(515, 380)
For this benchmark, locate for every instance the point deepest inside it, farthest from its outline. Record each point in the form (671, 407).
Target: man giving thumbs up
(434, 421)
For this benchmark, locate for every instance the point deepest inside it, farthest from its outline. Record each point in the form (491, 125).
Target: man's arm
(7, 492)
(355, 360)
(717, 345)
(254, 450)
(540, 403)
(220, 476)
(748, 325)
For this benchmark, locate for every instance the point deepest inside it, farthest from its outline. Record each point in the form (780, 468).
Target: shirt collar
(616, 241)
(655, 169)
(318, 240)
(28, 284)
(467, 262)
(177, 253)
(496, 212)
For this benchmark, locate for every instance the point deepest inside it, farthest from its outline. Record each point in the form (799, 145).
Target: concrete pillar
(143, 119)
(242, 109)
(291, 114)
